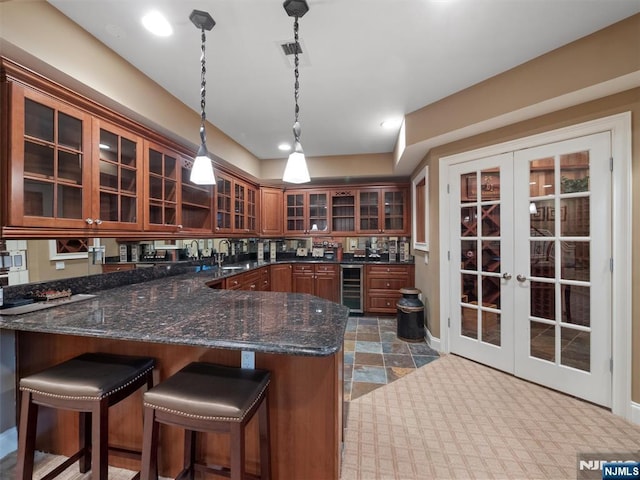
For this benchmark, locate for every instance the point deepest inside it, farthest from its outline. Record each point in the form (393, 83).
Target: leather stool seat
(206, 397)
(90, 384)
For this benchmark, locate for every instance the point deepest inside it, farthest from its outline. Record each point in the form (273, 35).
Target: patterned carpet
(456, 419)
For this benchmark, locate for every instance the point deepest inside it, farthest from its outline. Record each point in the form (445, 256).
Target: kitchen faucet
(195, 254)
(224, 240)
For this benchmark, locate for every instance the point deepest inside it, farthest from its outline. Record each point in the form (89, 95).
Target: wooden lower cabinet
(117, 267)
(383, 284)
(244, 281)
(281, 277)
(321, 280)
(328, 282)
(264, 279)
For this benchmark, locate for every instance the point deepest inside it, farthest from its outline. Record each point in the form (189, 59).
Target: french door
(530, 264)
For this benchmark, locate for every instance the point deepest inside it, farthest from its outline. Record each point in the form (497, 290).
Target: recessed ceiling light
(155, 22)
(285, 147)
(391, 123)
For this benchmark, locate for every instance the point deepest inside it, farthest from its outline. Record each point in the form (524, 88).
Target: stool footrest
(64, 465)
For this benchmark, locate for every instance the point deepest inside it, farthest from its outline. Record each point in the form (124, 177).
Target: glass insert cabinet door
(118, 176)
(50, 145)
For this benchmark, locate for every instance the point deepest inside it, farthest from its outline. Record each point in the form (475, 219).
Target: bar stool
(204, 397)
(89, 384)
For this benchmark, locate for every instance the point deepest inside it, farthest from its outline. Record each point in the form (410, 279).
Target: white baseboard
(635, 413)
(8, 441)
(433, 341)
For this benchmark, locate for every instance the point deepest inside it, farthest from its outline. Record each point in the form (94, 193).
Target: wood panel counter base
(305, 406)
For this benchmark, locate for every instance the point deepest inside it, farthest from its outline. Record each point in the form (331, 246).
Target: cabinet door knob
(506, 276)
(98, 221)
(521, 278)
(89, 221)
(387, 284)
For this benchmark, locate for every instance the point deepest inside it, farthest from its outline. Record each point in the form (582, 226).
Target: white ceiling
(363, 61)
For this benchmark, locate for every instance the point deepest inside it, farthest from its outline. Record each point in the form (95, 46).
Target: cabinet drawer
(390, 283)
(385, 270)
(331, 269)
(385, 303)
(301, 268)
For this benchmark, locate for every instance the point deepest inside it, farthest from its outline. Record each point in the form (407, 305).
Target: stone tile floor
(374, 356)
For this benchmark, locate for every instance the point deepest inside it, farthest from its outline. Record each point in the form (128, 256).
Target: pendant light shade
(202, 170)
(296, 170)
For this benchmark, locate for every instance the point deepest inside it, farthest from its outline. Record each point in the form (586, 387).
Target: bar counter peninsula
(178, 320)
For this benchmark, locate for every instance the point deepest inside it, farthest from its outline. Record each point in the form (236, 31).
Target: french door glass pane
(576, 349)
(574, 217)
(576, 301)
(543, 300)
(574, 172)
(491, 327)
(575, 260)
(543, 341)
(469, 322)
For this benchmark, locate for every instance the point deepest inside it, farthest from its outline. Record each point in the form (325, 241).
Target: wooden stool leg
(84, 440)
(189, 453)
(236, 445)
(265, 433)
(149, 470)
(100, 440)
(26, 437)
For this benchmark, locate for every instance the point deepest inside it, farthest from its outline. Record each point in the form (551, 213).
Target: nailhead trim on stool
(204, 397)
(89, 384)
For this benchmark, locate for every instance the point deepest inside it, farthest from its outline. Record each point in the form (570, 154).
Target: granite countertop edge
(182, 310)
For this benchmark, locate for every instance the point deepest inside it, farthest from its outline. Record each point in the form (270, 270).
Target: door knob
(506, 276)
(521, 278)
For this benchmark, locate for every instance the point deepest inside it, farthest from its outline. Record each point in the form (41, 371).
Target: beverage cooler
(351, 291)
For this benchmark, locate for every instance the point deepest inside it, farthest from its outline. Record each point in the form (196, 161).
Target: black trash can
(410, 316)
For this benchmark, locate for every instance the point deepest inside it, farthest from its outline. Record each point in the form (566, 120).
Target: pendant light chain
(203, 89)
(296, 88)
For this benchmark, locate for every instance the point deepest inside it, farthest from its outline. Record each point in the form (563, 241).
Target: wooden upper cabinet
(172, 203)
(49, 166)
(271, 223)
(383, 210)
(306, 212)
(162, 191)
(117, 177)
(236, 205)
(343, 210)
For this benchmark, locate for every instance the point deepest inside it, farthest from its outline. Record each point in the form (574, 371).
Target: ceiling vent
(290, 48)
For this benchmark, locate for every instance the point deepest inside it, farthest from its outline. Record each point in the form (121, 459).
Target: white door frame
(620, 128)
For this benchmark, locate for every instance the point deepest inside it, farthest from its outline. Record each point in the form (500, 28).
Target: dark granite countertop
(182, 310)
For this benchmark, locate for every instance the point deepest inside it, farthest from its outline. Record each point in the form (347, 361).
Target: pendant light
(296, 170)
(202, 170)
